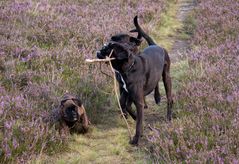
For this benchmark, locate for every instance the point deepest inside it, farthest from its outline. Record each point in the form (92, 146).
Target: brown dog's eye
(62, 102)
(77, 101)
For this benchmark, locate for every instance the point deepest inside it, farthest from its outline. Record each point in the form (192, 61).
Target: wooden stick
(99, 60)
(117, 97)
(107, 59)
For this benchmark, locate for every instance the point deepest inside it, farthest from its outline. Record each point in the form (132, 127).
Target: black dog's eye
(105, 44)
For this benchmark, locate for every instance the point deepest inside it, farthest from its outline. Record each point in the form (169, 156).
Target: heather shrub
(206, 126)
(43, 48)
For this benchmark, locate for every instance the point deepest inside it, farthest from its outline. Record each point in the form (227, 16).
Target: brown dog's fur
(79, 122)
(140, 72)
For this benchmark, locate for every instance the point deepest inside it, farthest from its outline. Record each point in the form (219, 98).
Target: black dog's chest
(132, 80)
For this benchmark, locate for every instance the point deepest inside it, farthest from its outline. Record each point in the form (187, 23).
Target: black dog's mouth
(104, 51)
(99, 55)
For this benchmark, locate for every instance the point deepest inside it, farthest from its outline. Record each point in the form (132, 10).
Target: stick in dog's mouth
(107, 59)
(99, 60)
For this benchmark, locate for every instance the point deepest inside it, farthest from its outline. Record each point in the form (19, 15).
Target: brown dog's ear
(77, 101)
(62, 103)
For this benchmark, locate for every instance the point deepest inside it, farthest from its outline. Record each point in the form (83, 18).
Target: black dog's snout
(104, 51)
(99, 55)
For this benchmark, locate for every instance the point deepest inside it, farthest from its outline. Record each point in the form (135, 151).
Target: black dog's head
(115, 50)
(123, 40)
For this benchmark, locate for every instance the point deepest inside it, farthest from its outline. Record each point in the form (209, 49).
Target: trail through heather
(180, 45)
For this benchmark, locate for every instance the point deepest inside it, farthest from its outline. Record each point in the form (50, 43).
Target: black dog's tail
(141, 33)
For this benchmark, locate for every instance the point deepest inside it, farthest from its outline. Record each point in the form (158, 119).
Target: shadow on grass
(101, 105)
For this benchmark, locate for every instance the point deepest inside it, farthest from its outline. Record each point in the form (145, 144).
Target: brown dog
(73, 117)
(140, 74)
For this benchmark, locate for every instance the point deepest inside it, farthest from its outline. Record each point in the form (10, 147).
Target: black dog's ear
(121, 51)
(114, 38)
(135, 40)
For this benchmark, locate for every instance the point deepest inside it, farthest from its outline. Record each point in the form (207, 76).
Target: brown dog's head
(71, 108)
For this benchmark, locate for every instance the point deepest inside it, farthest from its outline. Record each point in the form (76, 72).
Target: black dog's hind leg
(157, 96)
(168, 87)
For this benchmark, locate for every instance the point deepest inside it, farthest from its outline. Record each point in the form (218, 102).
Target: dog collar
(130, 67)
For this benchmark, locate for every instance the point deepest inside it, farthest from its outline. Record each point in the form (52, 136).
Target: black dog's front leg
(123, 102)
(139, 103)
(129, 108)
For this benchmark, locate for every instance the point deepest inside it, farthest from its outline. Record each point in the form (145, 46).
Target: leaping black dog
(140, 73)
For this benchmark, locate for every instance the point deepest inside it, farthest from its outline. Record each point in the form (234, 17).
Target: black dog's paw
(145, 106)
(169, 117)
(134, 141)
(125, 115)
(157, 100)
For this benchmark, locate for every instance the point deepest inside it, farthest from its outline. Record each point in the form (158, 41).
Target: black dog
(140, 73)
(132, 44)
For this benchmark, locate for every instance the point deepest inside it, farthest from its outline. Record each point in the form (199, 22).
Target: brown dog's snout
(70, 111)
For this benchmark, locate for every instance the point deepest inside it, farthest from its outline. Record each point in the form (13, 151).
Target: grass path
(107, 141)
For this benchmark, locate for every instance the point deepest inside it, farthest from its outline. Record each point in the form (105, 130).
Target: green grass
(166, 31)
